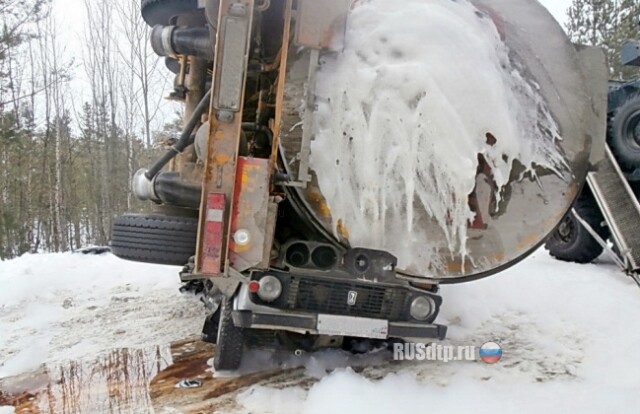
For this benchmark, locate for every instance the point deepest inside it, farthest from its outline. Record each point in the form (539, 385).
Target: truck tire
(154, 239)
(624, 134)
(230, 341)
(571, 242)
(163, 11)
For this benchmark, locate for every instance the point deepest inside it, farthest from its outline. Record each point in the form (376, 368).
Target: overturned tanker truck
(342, 159)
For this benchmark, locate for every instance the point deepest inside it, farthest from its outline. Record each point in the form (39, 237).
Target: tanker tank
(453, 134)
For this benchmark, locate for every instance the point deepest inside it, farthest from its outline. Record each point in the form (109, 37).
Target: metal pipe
(195, 84)
(184, 140)
(167, 188)
(174, 40)
(172, 190)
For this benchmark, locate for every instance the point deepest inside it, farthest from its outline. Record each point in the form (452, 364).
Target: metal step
(620, 209)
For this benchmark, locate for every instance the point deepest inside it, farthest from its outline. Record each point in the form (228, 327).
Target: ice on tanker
(425, 104)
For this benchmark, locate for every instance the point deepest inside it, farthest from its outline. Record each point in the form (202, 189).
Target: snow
(347, 392)
(316, 365)
(60, 307)
(7, 410)
(569, 335)
(405, 110)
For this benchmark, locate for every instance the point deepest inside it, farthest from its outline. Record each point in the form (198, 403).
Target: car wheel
(230, 341)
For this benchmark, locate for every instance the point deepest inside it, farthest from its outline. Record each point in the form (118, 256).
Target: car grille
(331, 297)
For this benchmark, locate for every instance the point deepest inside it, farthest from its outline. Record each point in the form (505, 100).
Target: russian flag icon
(491, 353)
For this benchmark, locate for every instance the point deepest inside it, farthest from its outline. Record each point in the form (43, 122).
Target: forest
(68, 154)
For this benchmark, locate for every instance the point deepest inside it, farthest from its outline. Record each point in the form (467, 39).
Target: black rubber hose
(184, 140)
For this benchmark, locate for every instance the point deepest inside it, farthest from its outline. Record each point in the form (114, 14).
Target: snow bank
(348, 392)
(45, 276)
(570, 345)
(59, 307)
(419, 92)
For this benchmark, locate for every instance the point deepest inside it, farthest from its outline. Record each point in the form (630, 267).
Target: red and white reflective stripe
(213, 234)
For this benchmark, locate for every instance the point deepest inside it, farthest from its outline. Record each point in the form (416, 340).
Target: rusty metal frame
(282, 79)
(319, 26)
(322, 24)
(304, 175)
(224, 141)
(250, 215)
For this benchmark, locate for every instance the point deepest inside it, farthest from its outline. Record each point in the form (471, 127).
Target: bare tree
(99, 67)
(141, 63)
(58, 84)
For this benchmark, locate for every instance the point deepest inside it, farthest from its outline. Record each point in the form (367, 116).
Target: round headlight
(421, 308)
(270, 288)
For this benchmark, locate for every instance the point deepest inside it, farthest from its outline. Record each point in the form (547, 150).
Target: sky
(558, 8)
(71, 12)
(71, 15)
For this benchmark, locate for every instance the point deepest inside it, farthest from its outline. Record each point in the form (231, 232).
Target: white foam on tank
(403, 113)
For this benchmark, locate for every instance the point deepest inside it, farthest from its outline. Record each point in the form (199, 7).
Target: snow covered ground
(64, 307)
(570, 338)
(569, 333)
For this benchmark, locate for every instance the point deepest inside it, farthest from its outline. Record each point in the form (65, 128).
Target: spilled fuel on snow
(167, 378)
(172, 378)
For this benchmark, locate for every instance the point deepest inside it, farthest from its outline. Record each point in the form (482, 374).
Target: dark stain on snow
(128, 380)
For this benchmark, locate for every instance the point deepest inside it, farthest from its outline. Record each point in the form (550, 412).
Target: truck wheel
(230, 342)
(163, 11)
(571, 242)
(155, 239)
(624, 134)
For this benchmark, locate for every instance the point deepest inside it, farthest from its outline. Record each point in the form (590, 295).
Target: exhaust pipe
(167, 188)
(172, 41)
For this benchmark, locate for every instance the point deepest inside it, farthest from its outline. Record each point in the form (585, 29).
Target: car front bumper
(336, 325)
